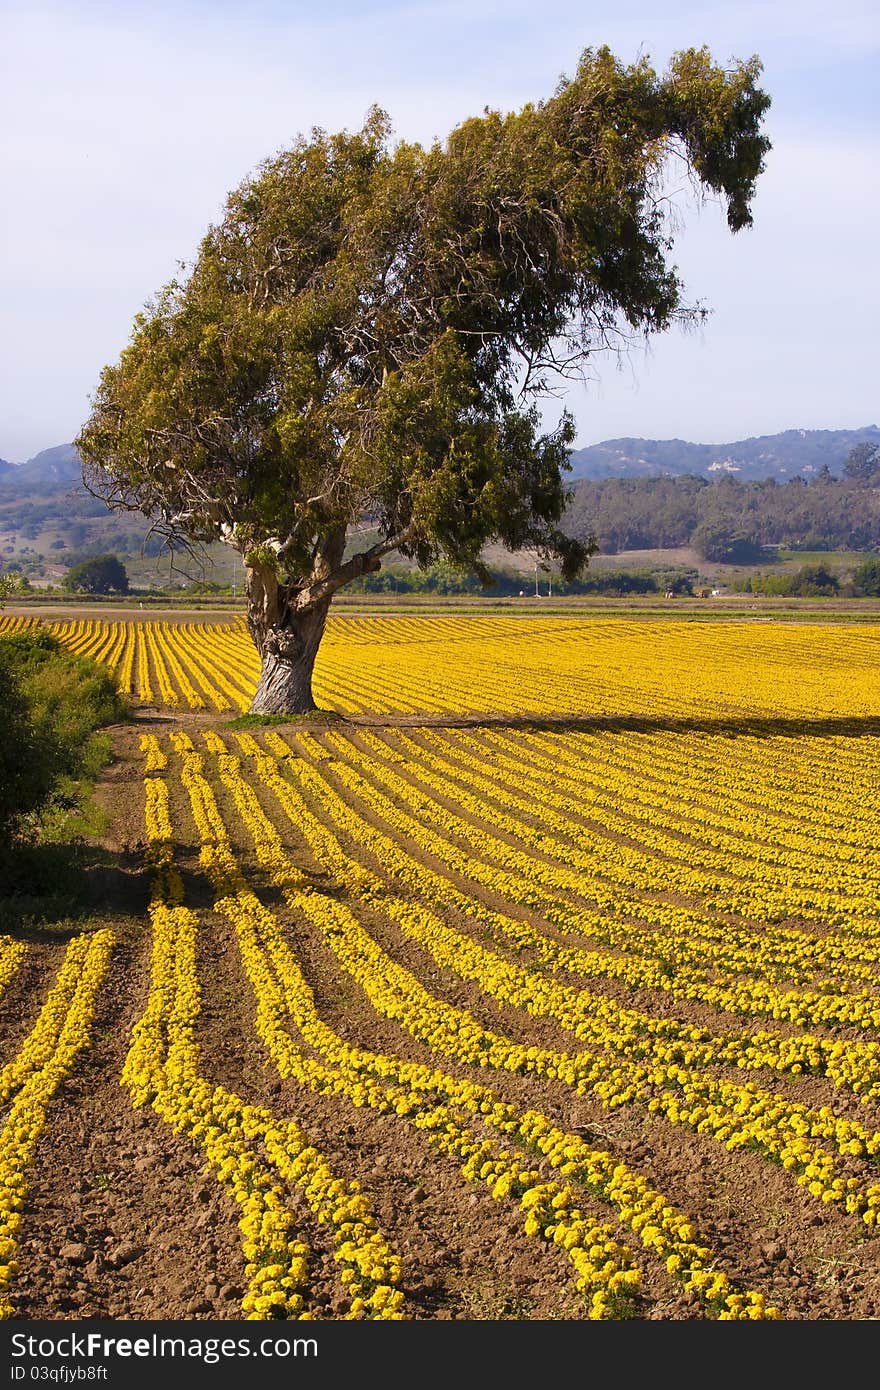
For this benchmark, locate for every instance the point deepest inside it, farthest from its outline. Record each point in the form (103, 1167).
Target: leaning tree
(353, 363)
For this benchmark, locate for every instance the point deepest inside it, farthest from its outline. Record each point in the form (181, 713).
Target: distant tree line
(444, 579)
(729, 520)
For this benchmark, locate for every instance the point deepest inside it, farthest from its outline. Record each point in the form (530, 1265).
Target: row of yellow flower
(149, 658)
(696, 858)
(797, 956)
(166, 663)
(852, 1064)
(12, 953)
(749, 791)
(395, 992)
(578, 665)
(801, 791)
(30, 1081)
(590, 666)
(163, 1068)
(490, 862)
(738, 1115)
(281, 990)
(656, 864)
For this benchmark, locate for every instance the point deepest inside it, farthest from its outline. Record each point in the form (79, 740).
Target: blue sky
(124, 126)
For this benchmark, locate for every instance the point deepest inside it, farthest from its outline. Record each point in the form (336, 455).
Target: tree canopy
(100, 574)
(863, 463)
(9, 584)
(866, 577)
(353, 364)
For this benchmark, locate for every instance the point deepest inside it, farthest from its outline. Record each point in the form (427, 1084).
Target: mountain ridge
(59, 464)
(787, 454)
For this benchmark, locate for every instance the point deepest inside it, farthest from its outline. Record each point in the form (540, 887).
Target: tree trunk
(287, 641)
(287, 636)
(285, 685)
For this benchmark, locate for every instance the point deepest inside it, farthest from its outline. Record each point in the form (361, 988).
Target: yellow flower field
(516, 666)
(539, 982)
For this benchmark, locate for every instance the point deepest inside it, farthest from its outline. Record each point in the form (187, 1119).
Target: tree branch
(365, 562)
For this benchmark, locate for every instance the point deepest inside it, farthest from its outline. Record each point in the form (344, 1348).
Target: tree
(9, 584)
(715, 540)
(812, 580)
(101, 574)
(862, 463)
(361, 343)
(866, 577)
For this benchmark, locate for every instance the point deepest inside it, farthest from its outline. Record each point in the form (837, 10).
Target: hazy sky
(124, 125)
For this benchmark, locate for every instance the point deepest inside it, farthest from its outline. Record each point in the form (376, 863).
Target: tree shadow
(723, 726)
(51, 891)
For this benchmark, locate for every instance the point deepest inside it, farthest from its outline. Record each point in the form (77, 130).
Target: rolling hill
(790, 454)
(48, 520)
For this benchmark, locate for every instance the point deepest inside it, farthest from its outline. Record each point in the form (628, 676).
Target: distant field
(217, 608)
(836, 559)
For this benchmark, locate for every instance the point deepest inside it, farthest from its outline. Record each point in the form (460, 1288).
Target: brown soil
(123, 1220)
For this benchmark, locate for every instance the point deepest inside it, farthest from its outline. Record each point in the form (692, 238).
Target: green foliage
(263, 557)
(24, 783)
(9, 584)
(662, 512)
(439, 578)
(68, 697)
(866, 578)
(53, 702)
(101, 574)
(497, 583)
(365, 335)
(260, 721)
(810, 581)
(714, 541)
(863, 463)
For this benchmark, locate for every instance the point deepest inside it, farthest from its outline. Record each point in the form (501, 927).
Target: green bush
(717, 542)
(53, 702)
(25, 781)
(445, 579)
(810, 581)
(866, 578)
(813, 580)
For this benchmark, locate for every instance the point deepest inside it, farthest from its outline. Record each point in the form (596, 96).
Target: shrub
(810, 581)
(866, 578)
(53, 703)
(25, 778)
(717, 542)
